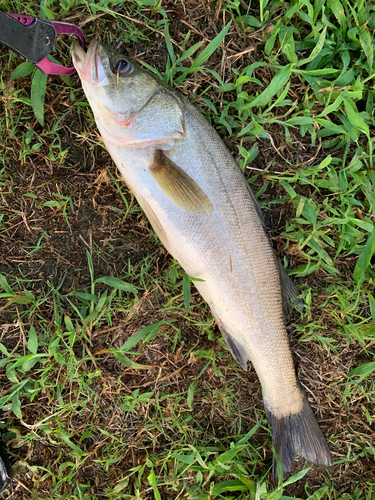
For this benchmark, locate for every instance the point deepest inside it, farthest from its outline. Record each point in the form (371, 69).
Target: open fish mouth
(88, 64)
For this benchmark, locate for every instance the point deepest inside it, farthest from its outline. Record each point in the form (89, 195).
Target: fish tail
(298, 434)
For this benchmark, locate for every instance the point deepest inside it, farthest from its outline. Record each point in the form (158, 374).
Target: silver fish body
(202, 209)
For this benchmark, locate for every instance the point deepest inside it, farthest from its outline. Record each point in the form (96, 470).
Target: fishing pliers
(33, 39)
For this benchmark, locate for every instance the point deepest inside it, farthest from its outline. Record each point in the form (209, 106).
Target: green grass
(115, 382)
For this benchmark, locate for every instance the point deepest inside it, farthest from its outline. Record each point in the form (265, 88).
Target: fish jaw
(88, 64)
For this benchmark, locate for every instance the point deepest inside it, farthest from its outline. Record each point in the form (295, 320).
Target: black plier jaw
(33, 43)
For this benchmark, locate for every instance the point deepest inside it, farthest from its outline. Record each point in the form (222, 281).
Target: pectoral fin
(178, 186)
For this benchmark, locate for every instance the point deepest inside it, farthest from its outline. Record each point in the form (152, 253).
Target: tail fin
(298, 434)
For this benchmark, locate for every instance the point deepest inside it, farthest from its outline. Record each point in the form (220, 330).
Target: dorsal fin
(290, 292)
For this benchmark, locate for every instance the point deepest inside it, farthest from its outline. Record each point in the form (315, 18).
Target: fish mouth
(88, 64)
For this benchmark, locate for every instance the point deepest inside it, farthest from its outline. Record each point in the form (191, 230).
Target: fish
(202, 208)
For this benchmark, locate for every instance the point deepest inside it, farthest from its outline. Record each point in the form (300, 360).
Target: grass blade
(365, 258)
(38, 95)
(211, 47)
(137, 337)
(316, 50)
(186, 291)
(23, 69)
(278, 81)
(32, 343)
(364, 370)
(117, 283)
(152, 480)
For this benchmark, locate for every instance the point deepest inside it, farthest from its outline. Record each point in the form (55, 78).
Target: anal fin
(237, 351)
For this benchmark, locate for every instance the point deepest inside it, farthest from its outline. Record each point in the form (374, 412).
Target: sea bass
(205, 214)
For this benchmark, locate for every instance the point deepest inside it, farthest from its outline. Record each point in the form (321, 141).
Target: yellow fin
(178, 186)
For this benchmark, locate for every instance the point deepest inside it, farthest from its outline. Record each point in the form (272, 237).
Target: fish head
(116, 88)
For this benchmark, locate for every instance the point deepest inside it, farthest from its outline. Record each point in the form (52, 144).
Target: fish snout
(88, 64)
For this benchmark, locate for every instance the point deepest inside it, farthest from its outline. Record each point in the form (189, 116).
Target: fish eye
(122, 67)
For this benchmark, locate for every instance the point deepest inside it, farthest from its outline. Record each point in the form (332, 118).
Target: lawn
(115, 380)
